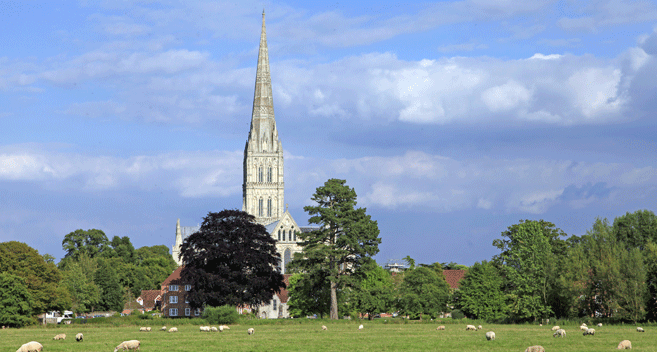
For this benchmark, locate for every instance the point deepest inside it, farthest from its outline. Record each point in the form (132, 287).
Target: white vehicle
(56, 315)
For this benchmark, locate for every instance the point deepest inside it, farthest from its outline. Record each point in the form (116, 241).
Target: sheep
(490, 336)
(583, 327)
(442, 327)
(164, 328)
(59, 337)
(324, 327)
(128, 345)
(221, 328)
(31, 346)
(173, 330)
(589, 332)
(360, 327)
(479, 327)
(205, 328)
(640, 329)
(225, 327)
(560, 333)
(535, 349)
(146, 329)
(214, 329)
(470, 327)
(79, 337)
(599, 325)
(250, 331)
(624, 345)
(555, 328)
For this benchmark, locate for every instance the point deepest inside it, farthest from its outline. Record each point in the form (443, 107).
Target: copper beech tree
(231, 260)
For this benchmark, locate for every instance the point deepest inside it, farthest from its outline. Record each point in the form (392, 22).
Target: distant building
(454, 277)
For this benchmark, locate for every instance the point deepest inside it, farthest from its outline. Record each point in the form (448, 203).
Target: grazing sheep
(128, 345)
(214, 329)
(205, 328)
(490, 336)
(173, 330)
(640, 329)
(479, 327)
(589, 332)
(31, 346)
(79, 337)
(324, 327)
(145, 329)
(624, 345)
(59, 337)
(250, 331)
(599, 325)
(221, 328)
(535, 349)
(470, 327)
(442, 327)
(360, 327)
(555, 328)
(225, 327)
(560, 333)
(583, 327)
(164, 328)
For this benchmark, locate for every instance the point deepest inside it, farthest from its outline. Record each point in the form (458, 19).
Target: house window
(186, 299)
(173, 287)
(197, 311)
(274, 304)
(188, 312)
(173, 312)
(173, 299)
(188, 287)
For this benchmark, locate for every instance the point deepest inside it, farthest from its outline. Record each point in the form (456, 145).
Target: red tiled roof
(453, 277)
(174, 278)
(283, 295)
(150, 296)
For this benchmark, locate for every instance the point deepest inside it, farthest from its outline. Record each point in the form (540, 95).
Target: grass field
(307, 335)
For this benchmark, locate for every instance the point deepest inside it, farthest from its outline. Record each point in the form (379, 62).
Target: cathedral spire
(263, 103)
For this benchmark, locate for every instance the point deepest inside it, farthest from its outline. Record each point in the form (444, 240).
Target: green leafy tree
(309, 294)
(230, 260)
(111, 291)
(650, 258)
(373, 292)
(41, 277)
(574, 281)
(15, 301)
(91, 242)
(481, 292)
(527, 258)
(632, 289)
(346, 236)
(123, 248)
(79, 280)
(636, 229)
(423, 292)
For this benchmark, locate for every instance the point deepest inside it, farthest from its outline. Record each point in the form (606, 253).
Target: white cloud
(506, 97)
(596, 91)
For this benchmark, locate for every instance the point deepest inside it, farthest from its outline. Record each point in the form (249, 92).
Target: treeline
(95, 274)
(540, 272)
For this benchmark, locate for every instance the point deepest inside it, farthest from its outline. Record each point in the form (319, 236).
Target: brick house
(150, 300)
(174, 297)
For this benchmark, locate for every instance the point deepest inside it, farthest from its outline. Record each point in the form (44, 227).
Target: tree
(230, 260)
(636, 229)
(79, 280)
(123, 248)
(423, 292)
(308, 294)
(15, 301)
(346, 237)
(373, 292)
(91, 242)
(481, 294)
(111, 291)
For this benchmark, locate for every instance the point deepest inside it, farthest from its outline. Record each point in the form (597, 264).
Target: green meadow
(306, 335)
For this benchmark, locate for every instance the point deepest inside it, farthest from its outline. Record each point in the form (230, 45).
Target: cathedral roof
(186, 231)
(271, 226)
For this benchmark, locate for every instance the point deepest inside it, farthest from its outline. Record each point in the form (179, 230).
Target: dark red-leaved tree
(230, 260)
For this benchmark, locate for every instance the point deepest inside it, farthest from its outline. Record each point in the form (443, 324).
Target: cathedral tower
(262, 190)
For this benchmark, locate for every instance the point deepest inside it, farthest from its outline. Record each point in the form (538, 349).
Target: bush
(221, 315)
(457, 314)
(146, 316)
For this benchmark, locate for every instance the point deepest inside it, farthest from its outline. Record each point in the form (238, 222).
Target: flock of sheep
(558, 332)
(34, 346)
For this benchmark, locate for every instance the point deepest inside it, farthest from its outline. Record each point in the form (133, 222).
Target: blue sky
(452, 120)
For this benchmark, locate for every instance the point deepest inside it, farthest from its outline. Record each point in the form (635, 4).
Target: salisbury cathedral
(263, 186)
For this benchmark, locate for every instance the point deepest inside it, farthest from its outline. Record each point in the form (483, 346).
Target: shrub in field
(221, 315)
(457, 314)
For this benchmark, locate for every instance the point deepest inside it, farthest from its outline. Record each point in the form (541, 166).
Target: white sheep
(164, 328)
(624, 345)
(173, 330)
(324, 327)
(250, 331)
(536, 348)
(225, 327)
(640, 329)
(204, 328)
(221, 328)
(31, 346)
(470, 327)
(599, 325)
(146, 329)
(560, 333)
(128, 345)
(589, 332)
(59, 337)
(479, 327)
(214, 329)
(583, 327)
(360, 327)
(79, 337)
(555, 328)
(442, 327)
(490, 336)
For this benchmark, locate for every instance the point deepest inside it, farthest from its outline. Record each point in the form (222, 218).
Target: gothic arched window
(295, 235)
(260, 174)
(260, 207)
(279, 234)
(287, 257)
(269, 207)
(269, 175)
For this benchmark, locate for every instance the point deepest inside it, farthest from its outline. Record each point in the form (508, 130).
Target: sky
(452, 120)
